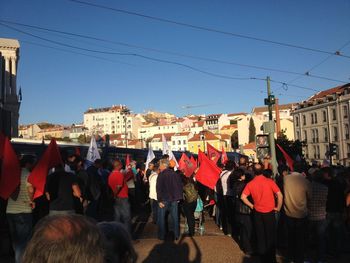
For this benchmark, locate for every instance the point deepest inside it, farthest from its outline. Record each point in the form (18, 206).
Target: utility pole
(270, 127)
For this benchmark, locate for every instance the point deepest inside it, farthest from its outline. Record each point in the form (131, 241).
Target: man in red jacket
(263, 191)
(117, 182)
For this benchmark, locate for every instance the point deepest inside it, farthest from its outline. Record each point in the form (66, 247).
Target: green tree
(252, 130)
(234, 140)
(293, 148)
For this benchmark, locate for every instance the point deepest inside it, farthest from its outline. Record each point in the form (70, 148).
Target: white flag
(150, 156)
(166, 150)
(93, 153)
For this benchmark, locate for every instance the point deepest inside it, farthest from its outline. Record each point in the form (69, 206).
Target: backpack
(190, 193)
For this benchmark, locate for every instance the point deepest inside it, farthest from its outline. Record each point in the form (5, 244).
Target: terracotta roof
(225, 137)
(53, 129)
(199, 123)
(236, 114)
(229, 127)
(166, 135)
(182, 134)
(132, 142)
(209, 136)
(327, 92)
(213, 116)
(266, 109)
(250, 146)
(106, 109)
(114, 137)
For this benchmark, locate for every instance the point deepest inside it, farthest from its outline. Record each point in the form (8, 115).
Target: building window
(324, 116)
(334, 114)
(315, 153)
(304, 120)
(184, 141)
(315, 117)
(312, 118)
(335, 133)
(316, 135)
(348, 149)
(346, 131)
(296, 121)
(305, 136)
(318, 152)
(313, 135)
(174, 142)
(179, 142)
(325, 132)
(298, 135)
(345, 111)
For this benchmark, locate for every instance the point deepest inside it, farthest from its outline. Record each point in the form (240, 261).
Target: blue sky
(58, 86)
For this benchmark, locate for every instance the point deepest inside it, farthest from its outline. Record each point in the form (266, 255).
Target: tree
(234, 140)
(252, 130)
(293, 148)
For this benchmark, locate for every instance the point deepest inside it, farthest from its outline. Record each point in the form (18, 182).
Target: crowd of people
(299, 209)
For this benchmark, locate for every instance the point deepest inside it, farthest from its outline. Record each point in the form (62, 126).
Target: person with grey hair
(169, 193)
(65, 238)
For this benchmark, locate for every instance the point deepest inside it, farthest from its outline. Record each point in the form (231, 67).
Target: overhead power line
(126, 54)
(152, 59)
(213, 30)
(299, 74)
(307, 73)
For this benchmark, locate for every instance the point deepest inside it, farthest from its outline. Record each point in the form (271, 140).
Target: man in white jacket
(152, 179)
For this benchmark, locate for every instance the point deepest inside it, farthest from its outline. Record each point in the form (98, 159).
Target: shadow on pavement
(170, 251)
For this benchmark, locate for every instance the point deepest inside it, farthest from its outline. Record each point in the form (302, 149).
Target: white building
(179, 141)
(215, 122)
(9, 100)
(76, 131)
(147, 131)
(323, 119)
(29, 131)
(112, 120)
(157, 141)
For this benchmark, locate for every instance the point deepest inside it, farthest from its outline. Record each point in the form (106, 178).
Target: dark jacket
(169, 186)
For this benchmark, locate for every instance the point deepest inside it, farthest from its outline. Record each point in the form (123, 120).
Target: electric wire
(178, 54)
(164, 20)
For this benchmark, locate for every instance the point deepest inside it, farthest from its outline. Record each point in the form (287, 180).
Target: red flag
(50, 159)
(186, 166)
(10, 171)
(2, 143)
(200, 154)
(127, 161)
(193, 161)
(208, 173)
(213, 153)
(224, 158)
(289, 159)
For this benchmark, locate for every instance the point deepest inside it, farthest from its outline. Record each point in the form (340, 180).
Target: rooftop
(209, 136)
(7, 43)
(288, 106)
(325, 93)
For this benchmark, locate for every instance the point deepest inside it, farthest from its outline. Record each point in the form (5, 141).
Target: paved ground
(212, 247)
